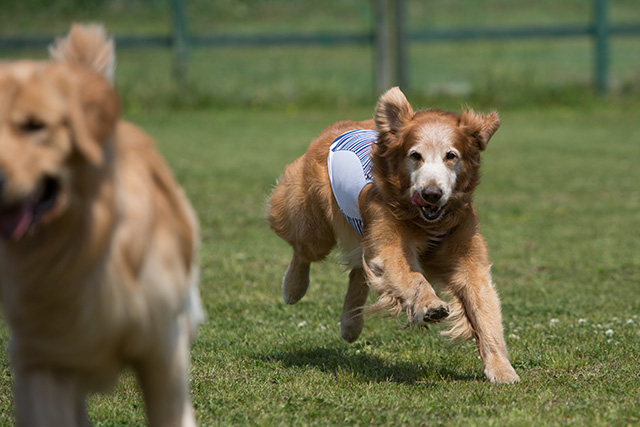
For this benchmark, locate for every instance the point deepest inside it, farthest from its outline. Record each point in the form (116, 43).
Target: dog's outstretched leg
(473, 287)
(482, 308)
(352, 319)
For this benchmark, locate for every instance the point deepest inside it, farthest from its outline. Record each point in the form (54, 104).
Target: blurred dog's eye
(416, 156)
(31, 125)
(451, 155)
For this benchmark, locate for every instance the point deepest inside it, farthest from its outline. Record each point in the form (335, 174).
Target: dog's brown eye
(416, 156)
(31, 125)
(451, 155)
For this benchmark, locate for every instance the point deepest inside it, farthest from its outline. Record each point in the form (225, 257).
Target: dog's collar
(435, 239)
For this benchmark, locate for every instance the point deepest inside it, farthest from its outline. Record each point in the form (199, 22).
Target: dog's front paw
(435, 311)
(501, 373)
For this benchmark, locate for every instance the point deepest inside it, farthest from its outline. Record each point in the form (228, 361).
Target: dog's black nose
(432, 194)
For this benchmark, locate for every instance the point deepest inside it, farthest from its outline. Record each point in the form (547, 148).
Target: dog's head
(55, 118)
(428, 161)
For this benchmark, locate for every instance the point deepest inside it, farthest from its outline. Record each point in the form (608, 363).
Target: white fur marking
(434, 142)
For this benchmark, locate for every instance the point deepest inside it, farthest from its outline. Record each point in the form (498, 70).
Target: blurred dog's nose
(432, 194)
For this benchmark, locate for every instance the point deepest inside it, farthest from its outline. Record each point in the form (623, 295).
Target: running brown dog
(396, 192)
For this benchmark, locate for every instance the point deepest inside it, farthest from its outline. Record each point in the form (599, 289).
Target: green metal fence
(389, 39)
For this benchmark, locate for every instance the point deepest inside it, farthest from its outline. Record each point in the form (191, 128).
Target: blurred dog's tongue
(15, 222)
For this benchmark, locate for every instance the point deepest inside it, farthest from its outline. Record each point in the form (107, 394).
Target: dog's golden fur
(98, 251)
(394, 257)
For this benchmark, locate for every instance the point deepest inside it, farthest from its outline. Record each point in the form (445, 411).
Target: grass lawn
(559, 204)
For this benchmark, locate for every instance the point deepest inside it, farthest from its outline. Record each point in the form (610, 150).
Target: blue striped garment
(349, 166)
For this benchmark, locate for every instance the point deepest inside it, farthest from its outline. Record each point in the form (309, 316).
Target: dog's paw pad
(435, 314)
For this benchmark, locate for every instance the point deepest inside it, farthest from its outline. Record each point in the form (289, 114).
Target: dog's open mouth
(17, 219)
(431, 212)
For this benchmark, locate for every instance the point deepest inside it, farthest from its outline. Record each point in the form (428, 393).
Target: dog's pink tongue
(15, 222)
(417, 200)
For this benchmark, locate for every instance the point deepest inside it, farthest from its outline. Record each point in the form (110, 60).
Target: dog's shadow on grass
(367, 367)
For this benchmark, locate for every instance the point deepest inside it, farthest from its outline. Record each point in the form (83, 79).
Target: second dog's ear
(392, 112)
(89, 46)
(94, 110)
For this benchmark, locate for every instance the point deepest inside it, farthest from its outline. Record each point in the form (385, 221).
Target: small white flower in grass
(553, 322)
(582, 321)
(302, 324)
(609, 332)
(629, 321)
(615, 319)
(514, 336)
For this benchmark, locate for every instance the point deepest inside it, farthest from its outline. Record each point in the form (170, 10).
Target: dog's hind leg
(352, 319)
(297, 215)
(296, 280)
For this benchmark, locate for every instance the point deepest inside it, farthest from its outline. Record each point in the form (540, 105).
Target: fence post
(401, 58)
(180, 42)
(601, 35)
(382, 54)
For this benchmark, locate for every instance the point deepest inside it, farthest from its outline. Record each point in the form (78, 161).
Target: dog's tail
(87, 45)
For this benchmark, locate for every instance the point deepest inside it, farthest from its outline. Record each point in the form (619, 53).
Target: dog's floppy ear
(87, 45)
(480, 127)
(392, 112)
(94, 110)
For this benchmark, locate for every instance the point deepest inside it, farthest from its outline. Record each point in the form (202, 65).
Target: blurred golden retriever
(98, 243)
(396, 192)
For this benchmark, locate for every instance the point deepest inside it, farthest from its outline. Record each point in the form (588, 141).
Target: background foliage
(490, 73)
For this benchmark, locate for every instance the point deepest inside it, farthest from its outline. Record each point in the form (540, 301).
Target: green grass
(559, 202)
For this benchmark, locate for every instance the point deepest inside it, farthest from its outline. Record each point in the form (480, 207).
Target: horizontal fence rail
(265, 40)
(331, 39)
